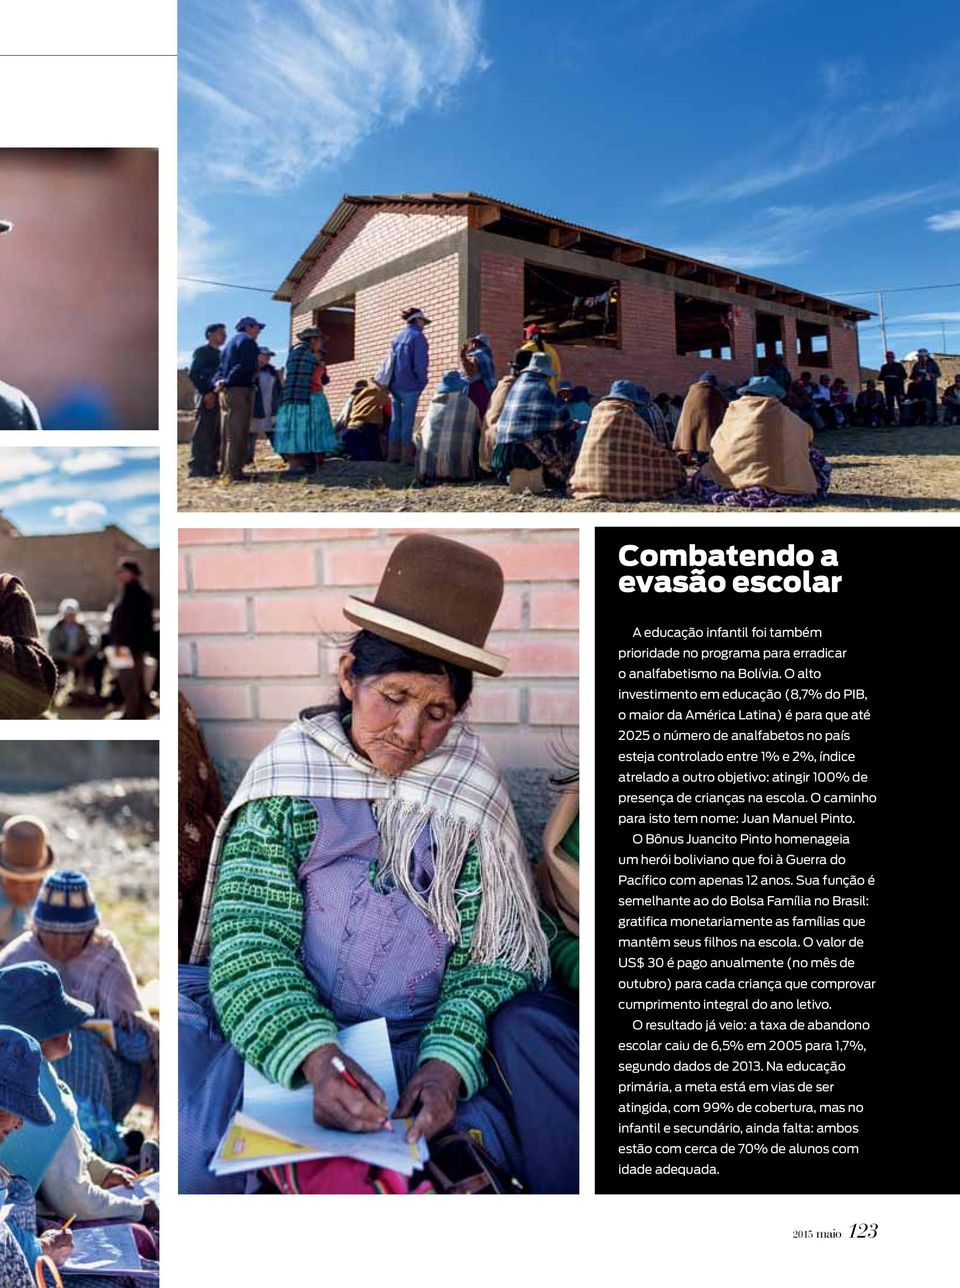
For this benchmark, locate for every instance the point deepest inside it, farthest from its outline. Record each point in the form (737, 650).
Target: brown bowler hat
(25, 854)
(438, 597)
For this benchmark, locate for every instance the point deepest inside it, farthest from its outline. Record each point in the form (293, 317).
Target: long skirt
(105, 1086)
(761, 498)
(302, 428)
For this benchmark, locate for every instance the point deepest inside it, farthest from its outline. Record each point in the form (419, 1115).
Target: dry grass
(899, 469)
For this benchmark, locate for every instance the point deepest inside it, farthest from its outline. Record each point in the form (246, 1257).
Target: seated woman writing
(55, 1159)
(106, 1080)
(21, 1102)
(371, 865)
(761, 456)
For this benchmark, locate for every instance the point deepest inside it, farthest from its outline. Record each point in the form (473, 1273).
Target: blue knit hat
(32, 999)
(65, 903)
(452, 382)
(20, 1065)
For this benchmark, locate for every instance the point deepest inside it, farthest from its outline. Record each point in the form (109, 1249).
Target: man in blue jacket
(408, 363)
(235, 379)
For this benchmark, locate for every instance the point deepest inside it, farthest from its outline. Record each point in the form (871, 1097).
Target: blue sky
(82, 489)
(799, 143)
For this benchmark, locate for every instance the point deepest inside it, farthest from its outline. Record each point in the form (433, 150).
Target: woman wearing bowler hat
(379, 834)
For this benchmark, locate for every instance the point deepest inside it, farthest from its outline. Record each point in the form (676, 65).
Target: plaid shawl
(448, 438)
(457, 790)
(531, 410)
(298, 374)
(621, 460)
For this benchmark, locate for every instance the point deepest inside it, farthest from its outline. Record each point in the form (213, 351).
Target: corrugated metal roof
(349, 204)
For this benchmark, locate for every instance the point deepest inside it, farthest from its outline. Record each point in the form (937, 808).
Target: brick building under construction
(615, 308)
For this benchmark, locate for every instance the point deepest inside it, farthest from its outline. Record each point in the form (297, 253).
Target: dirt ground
(109, 830)
(896, 469)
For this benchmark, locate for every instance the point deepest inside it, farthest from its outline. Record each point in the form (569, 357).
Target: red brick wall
(845, 356)
(375, 237)
(501, 305)
(434, 288)
(257, 608)
(648, 352)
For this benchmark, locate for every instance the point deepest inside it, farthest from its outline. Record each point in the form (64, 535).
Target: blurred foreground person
(25, 859)
(28, 676)
(16, 409)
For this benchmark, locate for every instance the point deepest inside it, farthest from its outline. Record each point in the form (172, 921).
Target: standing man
(131, 628)
(235, 378)
(25, 859)
(927, 371)
(205, 444)
(16, 409)
(893, 376)
(778, 370)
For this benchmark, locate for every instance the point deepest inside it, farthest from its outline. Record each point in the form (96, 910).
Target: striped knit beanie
(65, 903)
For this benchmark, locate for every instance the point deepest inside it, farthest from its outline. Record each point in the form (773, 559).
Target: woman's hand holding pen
(349, 1100)
(57, 1245)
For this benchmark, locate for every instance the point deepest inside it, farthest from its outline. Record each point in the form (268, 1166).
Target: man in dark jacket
(926, 371)
(131, 628)
(16, 409)
(234, 381)
(778, 370)
(205, 444)
(28, 676)
(893, 377)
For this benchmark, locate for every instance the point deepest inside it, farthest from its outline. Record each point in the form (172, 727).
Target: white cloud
(199, 251)
(946, 222)
(81, 514)
(312, 79)
(127, 488)
(822, 140)
(85, 462)
(23, 463)
(839, 74)
(781, 235)
(947, 316)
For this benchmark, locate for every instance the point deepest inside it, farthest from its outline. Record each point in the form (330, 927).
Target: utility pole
(943, 336)
(883, 320)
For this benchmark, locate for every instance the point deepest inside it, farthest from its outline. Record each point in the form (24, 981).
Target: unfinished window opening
(813, 344)
(338, 323)
(703, 328)
(571, 308)
(769, 333)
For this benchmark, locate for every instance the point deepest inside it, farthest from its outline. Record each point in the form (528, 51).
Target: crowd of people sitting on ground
(533, 430)
(78, 1050)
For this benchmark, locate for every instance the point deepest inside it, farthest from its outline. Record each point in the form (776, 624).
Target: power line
(230, 286)
(892, 290)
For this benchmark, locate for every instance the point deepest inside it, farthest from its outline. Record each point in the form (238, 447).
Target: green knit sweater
(267, 1004)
